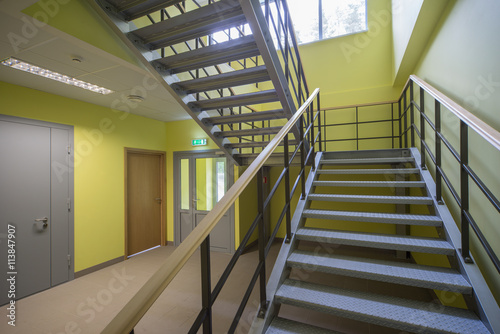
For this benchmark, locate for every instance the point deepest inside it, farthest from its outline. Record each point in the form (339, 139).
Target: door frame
(71, 179)
(162, 155)
(230, 180)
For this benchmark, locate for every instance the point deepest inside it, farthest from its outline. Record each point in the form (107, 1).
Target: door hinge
(69, 261)
(69, 204)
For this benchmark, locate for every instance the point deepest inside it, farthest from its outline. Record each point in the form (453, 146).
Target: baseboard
(170, 243)
(98, 267)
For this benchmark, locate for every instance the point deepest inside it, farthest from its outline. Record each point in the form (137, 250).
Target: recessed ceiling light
(43, 72)
(135, 98)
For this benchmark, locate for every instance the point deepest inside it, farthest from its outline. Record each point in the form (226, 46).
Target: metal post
(262, 245)
(412, 115)
(464, 190)
(311, 142)
(405, 111)
(439, 178)
(422, 129)
(357, 129)
(286, 163)
(206, 285)
(302, 156)
(319, 126)
(400, 126)
(392, 124)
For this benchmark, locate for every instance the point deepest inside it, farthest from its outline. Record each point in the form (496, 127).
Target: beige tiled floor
(86, 304)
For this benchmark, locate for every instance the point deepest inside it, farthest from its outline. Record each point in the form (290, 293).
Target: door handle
(158, 199)
(44, 220)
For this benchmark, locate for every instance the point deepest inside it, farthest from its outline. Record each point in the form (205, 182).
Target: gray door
(34, 205)
(202, 180)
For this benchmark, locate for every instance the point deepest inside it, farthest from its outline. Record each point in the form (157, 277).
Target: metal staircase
(339, 234)
(219, 83)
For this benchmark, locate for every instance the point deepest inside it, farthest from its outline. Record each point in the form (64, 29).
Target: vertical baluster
(400, 125)
(439, 178)
(302, 156)
(286, 163)
(206, 285)
(311, 142)
(357, 129)
(422, 129)
(405, 112)
(319, 126)
(412, 115)
(262, 244)
(464, 189)
(392, 125)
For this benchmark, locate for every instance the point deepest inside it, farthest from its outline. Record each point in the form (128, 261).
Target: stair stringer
(280, 271)
(487, 307)
(145, 56)
(263, 38)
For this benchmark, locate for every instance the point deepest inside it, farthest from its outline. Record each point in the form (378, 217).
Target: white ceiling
(53, 49)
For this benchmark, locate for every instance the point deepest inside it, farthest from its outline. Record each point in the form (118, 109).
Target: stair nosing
(371, 199)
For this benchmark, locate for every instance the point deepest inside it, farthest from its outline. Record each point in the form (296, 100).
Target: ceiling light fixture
(135, 98)
(43, 72)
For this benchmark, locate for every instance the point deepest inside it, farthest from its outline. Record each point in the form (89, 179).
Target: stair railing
(135, 309)
(407, 106)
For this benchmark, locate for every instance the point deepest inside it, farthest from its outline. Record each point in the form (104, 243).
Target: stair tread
(404, 314)
(246, 117)
(197, 23)
(375, 240)
(370, 171)
(366, 161)
(371, 199)
(375, 217)
(250, 132)
(286, 326)
(133, 9)
(382, 270)
(257, 144)
(236, 49)
(236, 100)
(418, 184)
(224, 80)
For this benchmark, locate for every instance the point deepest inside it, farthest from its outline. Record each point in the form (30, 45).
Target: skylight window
(43, 72)
(316, 20)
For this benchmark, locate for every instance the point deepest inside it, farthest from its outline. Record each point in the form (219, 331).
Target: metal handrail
(467, 120)
(135, 309)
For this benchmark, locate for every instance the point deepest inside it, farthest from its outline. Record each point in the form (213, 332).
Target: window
(315, 20)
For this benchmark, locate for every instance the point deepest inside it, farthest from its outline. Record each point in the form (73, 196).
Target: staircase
(367, 218)
(219, 83)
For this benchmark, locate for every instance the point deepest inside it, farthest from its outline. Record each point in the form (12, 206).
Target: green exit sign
(199, 142)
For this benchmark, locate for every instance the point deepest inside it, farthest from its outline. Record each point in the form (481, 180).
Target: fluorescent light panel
(43, 72)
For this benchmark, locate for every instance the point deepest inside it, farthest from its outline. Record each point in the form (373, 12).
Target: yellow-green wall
(100, 136)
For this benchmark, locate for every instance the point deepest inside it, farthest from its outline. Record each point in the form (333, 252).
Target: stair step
(285, 326)
(236, 100)
(374, 217)
(246, 117)
(200, 22)
(368, 161)
(370, 171)
(233, 50)
(399, 313)
(379, 241)
(250, 144)
(249, 132)
(386, 271)
(392, 184)
(371, 199)
(225, 80)
(133, 9)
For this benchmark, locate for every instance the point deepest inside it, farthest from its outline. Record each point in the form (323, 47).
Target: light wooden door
(144, 202)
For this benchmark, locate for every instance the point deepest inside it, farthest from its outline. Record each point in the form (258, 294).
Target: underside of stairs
(233, 88)
(373, 250)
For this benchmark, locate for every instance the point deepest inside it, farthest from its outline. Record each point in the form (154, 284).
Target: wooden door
(144, 200)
